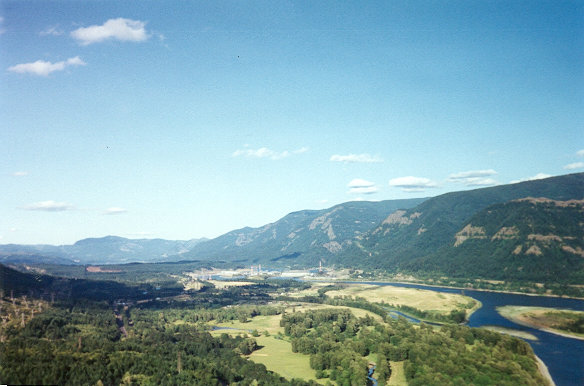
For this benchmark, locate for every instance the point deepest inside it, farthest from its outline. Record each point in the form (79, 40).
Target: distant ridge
(301, 238)
(103, 250)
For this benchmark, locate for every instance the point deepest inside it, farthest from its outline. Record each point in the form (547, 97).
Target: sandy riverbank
(389, 281)
(544, 371)
(516, 315)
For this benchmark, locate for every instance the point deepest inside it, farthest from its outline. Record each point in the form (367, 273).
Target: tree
(382, 370)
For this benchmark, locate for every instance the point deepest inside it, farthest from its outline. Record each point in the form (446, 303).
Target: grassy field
(424, 300)
(277, 356)
(271, 323)
(398, 376)
(548, 319)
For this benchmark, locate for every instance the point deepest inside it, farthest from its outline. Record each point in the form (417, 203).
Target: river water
(563, 356)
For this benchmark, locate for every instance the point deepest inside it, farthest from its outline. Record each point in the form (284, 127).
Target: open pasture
(424, 300)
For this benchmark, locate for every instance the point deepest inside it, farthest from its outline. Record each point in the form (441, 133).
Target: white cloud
(471, 174)
(364, 190)
(538, 176)
(42, 68)
(360, 183)
(303, 149)
(20, 174)
(580, 153)
(361, 186)
(125, 30)
(52, 31)
(49, 206)
(115, 210)
(479, 181)
(356, 158)
(474, 177)
(264, 152)
(412, 184)
(575, 165)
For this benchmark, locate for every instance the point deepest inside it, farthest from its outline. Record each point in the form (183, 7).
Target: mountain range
(301, 238)
(532, 230)
(463, 233)
(104, 250)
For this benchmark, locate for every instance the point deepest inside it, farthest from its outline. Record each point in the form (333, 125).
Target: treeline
(337, 343)
(329, 337)
(202, 315)
(455, 316)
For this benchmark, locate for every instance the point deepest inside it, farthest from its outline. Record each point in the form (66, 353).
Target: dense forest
(338, 344)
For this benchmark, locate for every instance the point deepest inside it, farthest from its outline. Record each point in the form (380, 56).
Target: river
(564, 357)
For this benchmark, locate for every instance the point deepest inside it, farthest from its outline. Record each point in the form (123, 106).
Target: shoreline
(516, 320)
(544, 371)
(449, 287)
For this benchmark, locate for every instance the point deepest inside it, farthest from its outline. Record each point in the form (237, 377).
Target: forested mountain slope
(301, 238)
(528, 239)
(428, 238)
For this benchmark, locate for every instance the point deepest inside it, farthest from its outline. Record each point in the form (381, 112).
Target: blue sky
(183, 119)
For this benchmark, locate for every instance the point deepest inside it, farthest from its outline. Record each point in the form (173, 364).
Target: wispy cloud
(360, 186)
(125, 30)
(538, 176)
(580, 153)
(575, 165)
(43, 68)
(49, 206)
(474, 178)
(52, 31)
(303, 149)
(115, 210)
(356, 158)
(20, 174)
(264, 152)
(412, 184)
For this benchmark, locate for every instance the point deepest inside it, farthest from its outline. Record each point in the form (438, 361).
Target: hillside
(491, 233)
(422, 239)
(526, 239)
(301, 238)
(104, 250)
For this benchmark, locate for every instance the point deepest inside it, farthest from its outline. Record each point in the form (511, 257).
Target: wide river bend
(564, 357)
